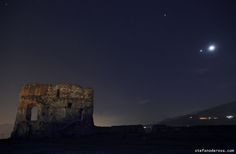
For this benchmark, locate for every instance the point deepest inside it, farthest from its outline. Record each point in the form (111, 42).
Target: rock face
(61, 110)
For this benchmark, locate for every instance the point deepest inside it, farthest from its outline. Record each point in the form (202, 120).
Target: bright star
(211, 48)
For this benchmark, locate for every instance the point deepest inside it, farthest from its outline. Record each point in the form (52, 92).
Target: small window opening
(34, 114)
(69, 105)
(58, 93)
(80, 114)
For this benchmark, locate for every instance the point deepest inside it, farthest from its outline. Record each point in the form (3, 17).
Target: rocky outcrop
(62, 110)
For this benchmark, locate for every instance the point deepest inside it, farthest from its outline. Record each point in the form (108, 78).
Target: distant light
(191, 117)
(201, 50)
(211, 48)
(203, 118)
(229, 116)
(144, 127)
(215, 117)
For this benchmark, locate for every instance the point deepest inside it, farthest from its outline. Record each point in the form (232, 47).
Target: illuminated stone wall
(61, 109)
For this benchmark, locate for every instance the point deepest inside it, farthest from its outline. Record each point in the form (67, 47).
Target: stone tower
(61, 110)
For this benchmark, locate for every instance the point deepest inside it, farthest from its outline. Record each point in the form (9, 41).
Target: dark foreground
(161, 140)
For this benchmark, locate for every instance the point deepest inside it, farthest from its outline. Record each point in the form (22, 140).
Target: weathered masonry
(46, 110)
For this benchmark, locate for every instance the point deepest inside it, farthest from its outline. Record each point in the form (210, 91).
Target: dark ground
(161, 140)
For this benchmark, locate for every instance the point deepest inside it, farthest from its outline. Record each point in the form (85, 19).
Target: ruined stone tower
(61, 110)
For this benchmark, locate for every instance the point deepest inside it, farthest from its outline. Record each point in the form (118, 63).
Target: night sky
(146, 60)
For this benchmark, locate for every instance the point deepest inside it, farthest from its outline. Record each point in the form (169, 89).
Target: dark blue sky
(144, 66)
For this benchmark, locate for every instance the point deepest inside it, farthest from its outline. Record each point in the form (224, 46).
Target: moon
(211, 48)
